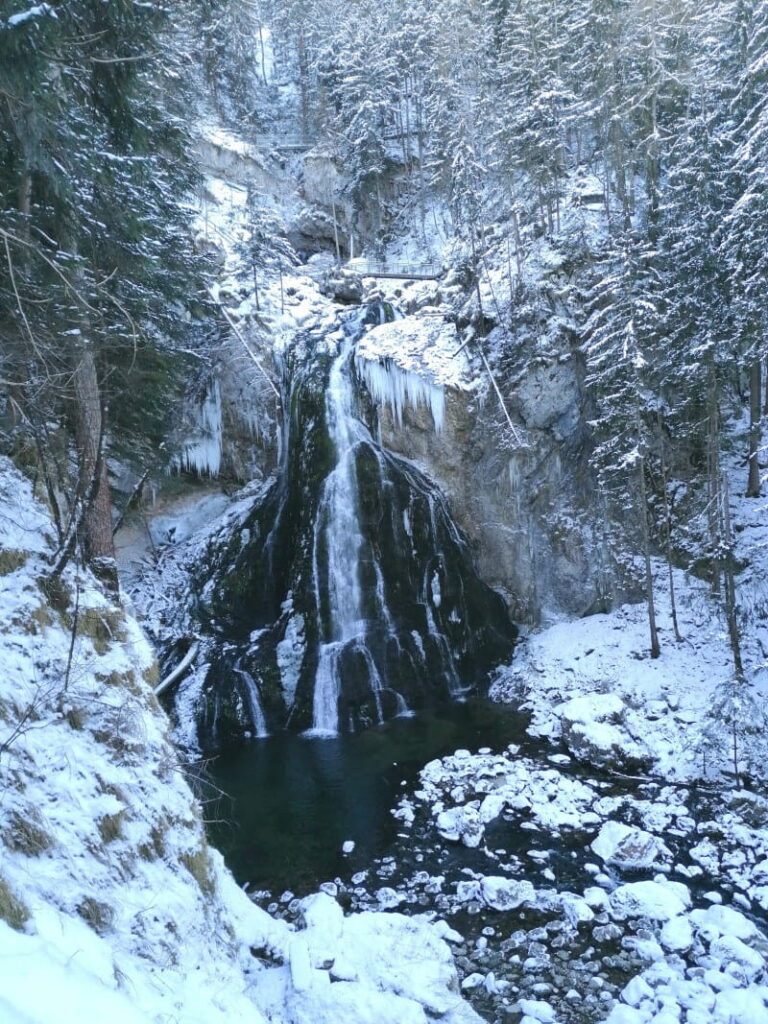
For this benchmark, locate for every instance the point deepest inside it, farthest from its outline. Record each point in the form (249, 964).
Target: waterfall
(345, 595)
(338, 534)
(254, 701)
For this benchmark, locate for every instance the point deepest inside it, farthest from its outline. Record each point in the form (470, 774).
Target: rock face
(527, 511)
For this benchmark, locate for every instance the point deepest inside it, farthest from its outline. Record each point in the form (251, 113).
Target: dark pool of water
(291, 801)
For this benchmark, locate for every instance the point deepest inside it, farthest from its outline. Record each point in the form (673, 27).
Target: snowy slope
(112, 905)
(592, 681)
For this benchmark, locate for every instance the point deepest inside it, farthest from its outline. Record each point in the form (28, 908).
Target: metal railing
(412, 271)
(285, 142)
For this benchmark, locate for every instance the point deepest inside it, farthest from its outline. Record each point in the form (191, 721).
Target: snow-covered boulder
(461, 824)
(657, 901)
(630, 847)
(500, 893)
(593, 730)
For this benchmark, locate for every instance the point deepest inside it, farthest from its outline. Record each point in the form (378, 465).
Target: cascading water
(346, 595)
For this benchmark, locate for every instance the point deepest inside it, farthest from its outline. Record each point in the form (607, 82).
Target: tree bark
(668, 529)
(655, 648)
(755, 414)
(98, 543)
(729, 577)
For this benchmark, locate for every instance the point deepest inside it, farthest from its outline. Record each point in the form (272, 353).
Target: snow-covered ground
(112, 905)
(593, 683)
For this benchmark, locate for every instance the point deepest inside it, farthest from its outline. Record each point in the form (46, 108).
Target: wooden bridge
(406, 271)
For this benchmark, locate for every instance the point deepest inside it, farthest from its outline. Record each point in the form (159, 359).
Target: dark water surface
(291, 801)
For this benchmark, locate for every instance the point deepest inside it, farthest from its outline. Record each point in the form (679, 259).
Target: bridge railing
(285, 141)
(370, 268)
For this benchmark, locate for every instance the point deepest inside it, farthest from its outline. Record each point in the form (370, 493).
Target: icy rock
(725, 921)
(444, 931)
(730, 950)
(658, 901)
(389, 898)
(741, 1006)
(576, 910)
(622, 1014)
(466, 891)
(636, 991)
(491, 807)
(472, 981)
(348, 846)
(506, 893)
(324, 922)
(630, 847)
(302, 974)
(461, 824)
(405, 956)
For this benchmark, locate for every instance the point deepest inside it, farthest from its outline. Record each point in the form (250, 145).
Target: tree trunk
(729, 577)
(755, 412)
(98, 545)
(668, 529)
(713, 481)
(655, 648)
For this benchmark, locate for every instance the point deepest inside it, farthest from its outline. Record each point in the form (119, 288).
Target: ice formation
(202, 452)
(390, 385)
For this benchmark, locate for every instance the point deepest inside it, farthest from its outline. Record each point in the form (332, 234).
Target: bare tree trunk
(755, 413)
(25, 193)
(729, 577)
(98, 544)
(668, 529)
(655, 648)
(713, 481)
(263, 57)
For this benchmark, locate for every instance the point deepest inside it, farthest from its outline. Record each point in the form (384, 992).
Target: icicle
(202, 454)
(397, 388)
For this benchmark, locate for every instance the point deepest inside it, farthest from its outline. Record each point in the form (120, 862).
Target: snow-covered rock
(630, 847)
(657, 901)
(461, 824)
(501, 893)
(592, 727)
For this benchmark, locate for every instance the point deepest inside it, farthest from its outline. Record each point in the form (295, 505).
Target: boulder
(500, 893)
(629, 847)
